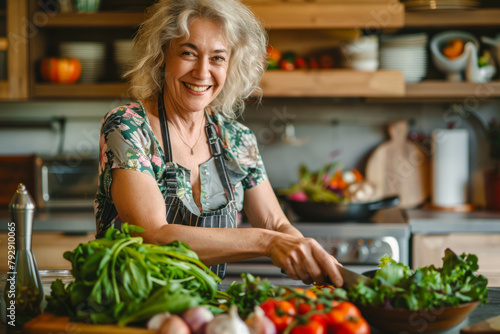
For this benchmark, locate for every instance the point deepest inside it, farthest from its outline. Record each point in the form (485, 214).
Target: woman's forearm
(215, 245)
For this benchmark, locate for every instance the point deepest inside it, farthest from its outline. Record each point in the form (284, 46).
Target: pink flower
(145, 162)
(156, 160)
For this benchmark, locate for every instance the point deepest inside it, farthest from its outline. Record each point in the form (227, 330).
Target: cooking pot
(340, 212)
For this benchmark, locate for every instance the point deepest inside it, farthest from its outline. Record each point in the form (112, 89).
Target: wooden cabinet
(429, 249)
(295, 18)
(48, 248)
(15, 87)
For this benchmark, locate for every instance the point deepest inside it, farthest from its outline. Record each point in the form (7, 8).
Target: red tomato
(287, 65)
(313, 62)
(356, 325)
(280, 312)
(61, 70)
(314, 325)
(343, 312)
(303, 305)
(326, 61)
(300, 62)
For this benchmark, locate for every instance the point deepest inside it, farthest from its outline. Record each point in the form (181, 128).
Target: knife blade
(350, 277)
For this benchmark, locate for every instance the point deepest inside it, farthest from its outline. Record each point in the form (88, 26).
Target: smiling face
(196, 67)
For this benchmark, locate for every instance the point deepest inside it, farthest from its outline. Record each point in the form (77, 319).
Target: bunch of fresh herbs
(119, 279)
(396, 285)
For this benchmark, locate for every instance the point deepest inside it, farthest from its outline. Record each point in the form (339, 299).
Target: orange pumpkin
(61, 70)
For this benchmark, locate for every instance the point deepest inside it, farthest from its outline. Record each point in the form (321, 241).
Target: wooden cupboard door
(48, 248)
(429, 249)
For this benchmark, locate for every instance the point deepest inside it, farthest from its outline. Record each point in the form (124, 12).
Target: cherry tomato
(300, 62)
(280, 312)
(313, 62)
(287, 65)
(326, 61)
(314, 325)
(353, 325)
(303, 305)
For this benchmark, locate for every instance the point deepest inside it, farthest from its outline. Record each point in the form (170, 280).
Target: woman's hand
(303, 258)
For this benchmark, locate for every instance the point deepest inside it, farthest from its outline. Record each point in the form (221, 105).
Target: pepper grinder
(23, 292)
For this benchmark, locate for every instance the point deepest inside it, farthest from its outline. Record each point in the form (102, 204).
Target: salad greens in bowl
(425, 300)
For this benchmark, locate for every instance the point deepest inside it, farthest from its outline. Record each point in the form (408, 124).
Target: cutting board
(400, 167)
(47, 323)
(491, 325)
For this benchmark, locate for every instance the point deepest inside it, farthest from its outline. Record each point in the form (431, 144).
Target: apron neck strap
(165, 136)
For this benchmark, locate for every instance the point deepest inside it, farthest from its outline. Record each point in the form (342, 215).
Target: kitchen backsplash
(289, 131)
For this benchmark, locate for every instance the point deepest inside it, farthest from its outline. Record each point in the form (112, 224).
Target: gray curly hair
(170, 19)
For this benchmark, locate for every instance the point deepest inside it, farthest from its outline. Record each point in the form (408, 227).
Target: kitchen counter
(491, 309)
(69, 221)
(438, 222)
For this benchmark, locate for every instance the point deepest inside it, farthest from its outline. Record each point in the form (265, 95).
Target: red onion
(197, 318)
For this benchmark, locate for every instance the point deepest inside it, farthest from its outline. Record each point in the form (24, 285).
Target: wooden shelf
(273, 16)
(84, 90)
(446, 89)
(333, 83)
(317, 83)
(466, 18)
(98, 19)
(330, 15)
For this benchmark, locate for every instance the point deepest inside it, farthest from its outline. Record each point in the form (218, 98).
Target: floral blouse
(127, 141)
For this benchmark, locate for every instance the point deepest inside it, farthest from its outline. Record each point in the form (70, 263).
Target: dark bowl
(393, 320)
(340, 212)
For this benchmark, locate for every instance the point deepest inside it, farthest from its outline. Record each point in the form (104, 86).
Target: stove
(357, 245)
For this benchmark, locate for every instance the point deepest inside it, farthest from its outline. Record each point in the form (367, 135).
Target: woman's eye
(218, 58)
(187, 53)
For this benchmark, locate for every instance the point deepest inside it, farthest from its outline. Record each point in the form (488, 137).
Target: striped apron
(177, 212)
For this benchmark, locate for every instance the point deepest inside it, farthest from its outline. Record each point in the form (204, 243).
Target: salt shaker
(23, 291)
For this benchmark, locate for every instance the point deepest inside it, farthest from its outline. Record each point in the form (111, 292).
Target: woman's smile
(196, 88)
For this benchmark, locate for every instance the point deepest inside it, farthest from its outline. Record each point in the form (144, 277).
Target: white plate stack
(123, 54)
(92, 56)
(405, 53)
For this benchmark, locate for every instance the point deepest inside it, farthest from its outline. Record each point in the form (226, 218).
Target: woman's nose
(201, 70)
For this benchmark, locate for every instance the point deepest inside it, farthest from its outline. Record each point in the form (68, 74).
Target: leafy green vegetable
(250, 293)
(396, 285)
(118, 279)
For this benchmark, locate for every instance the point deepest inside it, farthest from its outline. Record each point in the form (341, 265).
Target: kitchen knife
(350, 277)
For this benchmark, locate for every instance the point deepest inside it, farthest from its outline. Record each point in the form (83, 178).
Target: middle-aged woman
(177, 164)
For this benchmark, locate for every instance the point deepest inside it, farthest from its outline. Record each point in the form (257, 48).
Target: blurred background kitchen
(341, 74)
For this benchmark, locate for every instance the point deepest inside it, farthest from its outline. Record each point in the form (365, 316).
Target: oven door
(68, 184)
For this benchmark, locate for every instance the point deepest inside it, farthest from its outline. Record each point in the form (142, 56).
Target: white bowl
(453, 68)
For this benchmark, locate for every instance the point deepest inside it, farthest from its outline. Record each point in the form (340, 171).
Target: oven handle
(45, 183)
